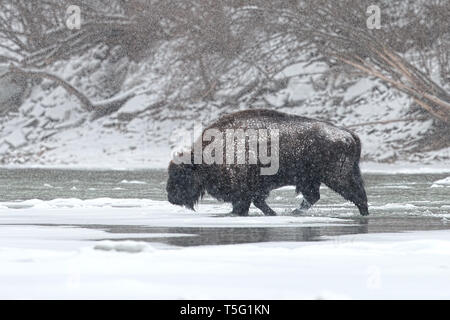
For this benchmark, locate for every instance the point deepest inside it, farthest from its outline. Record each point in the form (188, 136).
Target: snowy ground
(48, 251)
(51, 129)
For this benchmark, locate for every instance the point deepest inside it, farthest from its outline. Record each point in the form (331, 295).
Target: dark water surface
(398, 202)
(224, 235)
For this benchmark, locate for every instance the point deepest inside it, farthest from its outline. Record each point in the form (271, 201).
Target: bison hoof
(298, 211)
(238, 214)
(363, 210)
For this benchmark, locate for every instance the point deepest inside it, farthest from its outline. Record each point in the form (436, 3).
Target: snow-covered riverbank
(112, 234)
(115, 248)
(44, 262)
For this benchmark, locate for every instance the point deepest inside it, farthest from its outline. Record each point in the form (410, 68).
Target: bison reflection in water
(310, 152)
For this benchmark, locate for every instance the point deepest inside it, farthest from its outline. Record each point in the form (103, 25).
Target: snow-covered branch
(98, 109)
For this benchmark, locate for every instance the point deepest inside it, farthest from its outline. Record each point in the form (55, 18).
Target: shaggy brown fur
(311, 152)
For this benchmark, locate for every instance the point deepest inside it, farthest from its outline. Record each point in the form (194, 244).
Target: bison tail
(357, 156)
(356, 169)
(358, 145)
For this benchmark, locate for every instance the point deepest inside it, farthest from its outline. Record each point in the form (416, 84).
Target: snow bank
(108, 211)
(62, 237)
(72, 248)
(442, 182)
(133, 182)
(397, 206)
(376, 266)
(122, 246)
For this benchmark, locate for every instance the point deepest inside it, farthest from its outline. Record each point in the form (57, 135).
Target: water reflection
(226, 235)
(221, 236)
(240, 235)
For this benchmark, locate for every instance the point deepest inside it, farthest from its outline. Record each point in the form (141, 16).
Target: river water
(397, 203)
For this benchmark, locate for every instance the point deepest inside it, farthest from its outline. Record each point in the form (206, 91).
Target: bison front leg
(311, 194)
(261, 204)
(240, 207)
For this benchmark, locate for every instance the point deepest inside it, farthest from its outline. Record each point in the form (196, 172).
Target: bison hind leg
(311, 194)
(260, 203)
(352, 189)
(241, 207)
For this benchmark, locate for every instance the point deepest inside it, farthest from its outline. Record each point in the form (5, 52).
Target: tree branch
(36, 74)
(387, 121)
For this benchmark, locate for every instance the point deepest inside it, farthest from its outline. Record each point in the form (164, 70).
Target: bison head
(184, 186)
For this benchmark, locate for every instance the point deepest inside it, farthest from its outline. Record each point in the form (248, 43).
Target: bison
(309, 152)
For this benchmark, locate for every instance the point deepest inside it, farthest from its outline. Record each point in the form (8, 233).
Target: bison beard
(311, 152)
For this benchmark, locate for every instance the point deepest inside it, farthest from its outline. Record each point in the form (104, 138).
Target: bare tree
(213, 37)
(34, 35)
(338, 31)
